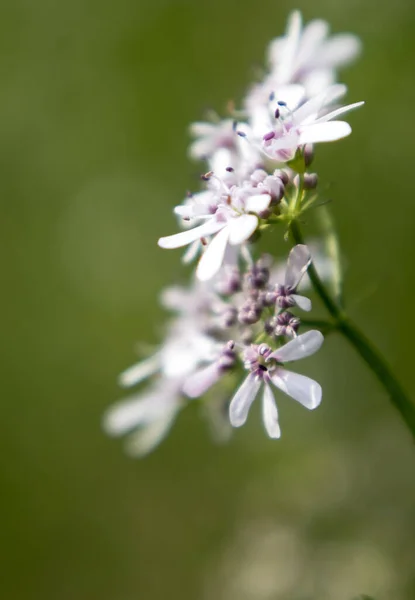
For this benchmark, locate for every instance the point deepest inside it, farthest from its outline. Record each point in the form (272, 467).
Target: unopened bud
(310, 181)
(308, 154)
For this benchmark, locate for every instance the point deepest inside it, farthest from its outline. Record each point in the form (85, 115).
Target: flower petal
(302, 302)
(338, 50)
(302, 346)
(312, 37)
(309, 110)
(139, 371)
(270, 413)
(198, 383)
(324, 132)
(339, 111)
(129, 414)
(297, 264)
(190, 235)
(241, 228)
(212, 257)
(303, 389)
(242, 400)
(257, 203)
(144, 440)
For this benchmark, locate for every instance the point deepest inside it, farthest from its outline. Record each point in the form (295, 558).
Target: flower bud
(310, 181)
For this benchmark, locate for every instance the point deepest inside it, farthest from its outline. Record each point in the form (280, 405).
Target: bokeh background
(95, 101)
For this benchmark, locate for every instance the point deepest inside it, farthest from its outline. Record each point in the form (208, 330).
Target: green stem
(361, 344)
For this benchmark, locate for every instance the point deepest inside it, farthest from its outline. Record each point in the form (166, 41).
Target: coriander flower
(298, 262)
(281, 130)
(233, 220)
(266, 367)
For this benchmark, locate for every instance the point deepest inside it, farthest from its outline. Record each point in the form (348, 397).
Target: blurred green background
(95, 101)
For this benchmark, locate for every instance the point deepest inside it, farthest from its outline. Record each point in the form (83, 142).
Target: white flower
(280, 129)
(266, 367)
(308, 56)
(233, 221)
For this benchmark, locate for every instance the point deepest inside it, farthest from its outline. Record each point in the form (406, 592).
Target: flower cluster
(242, 313)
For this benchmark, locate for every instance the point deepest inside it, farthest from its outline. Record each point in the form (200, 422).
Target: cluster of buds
(241, 312)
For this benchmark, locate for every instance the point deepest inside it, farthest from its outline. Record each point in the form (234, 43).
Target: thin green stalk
(362, 345)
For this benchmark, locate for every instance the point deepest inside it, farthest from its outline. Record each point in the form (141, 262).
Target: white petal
(309, 110)
(286, 49)
(242, 400)
(139, 371)
(270, 413)
(297, 264)
(191, 252)
(324, 132)
(127, 415)
(292, 94)
(241, 228)
(212, 257)
(199, 128)
(257, 203)
(146, 439)
(340, 49)
(313, 35)
(303, 389)
(302, 302)
(198, 383)
(190, 235)
(303, 345)
(339, 111)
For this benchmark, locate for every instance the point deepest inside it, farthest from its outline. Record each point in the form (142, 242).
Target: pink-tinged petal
(270, 413)
(302, 346)
(190, 235)
(140, 371)
(212, 258)
(241, 228)
(198, 383)
(339, 111)
(302, 302)
(257, 203)
(242, 400)
(303, 389)
(297, 264)
(324, 132)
